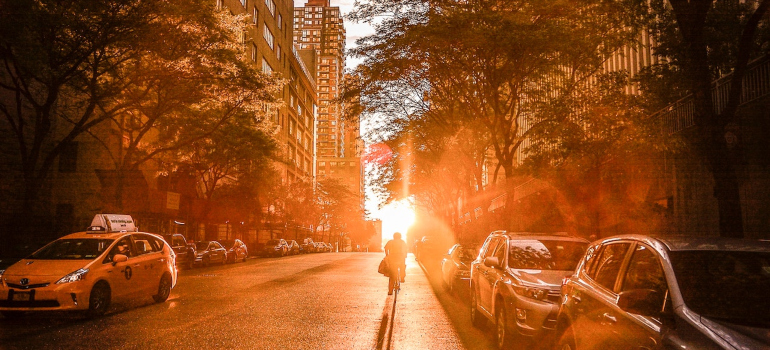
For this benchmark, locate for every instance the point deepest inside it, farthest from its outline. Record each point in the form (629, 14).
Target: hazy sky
(353, 30)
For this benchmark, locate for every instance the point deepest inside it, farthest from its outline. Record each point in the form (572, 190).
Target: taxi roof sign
(107, 223)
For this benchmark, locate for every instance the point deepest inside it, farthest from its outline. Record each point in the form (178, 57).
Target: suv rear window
(535, 254)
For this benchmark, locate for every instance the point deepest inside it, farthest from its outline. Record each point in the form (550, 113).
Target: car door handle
(608, 319)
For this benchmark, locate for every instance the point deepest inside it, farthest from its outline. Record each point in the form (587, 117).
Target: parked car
(236, 250)
(308, 246)
(516, 282)
(456, 267)
(210, 252)
(636, 292)
(276, 247)
(293, 247)
(185, 252)
(429, 248)
(320, 247)
(329, 247)
(87, 271)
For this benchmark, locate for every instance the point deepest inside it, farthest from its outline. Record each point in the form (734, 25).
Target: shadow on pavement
(457, 307)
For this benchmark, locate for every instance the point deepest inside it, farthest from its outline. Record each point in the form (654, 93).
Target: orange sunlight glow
(396, 217)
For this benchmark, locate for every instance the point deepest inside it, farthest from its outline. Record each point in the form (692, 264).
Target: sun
(396, 217)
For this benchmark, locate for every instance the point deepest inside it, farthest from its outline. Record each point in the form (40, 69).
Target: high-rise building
(319, 27)
(270, 43)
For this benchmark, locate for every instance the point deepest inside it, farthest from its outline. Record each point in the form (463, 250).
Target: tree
(593, 152)
(64, 67)
(300, 207)
(184, 98)
(701, 41)
(340, 209)
(487, 63)
(230, 162)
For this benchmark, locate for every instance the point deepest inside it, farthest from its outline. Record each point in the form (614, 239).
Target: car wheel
(13, 315)
(99, 300)
(164, 289)
(476, 319)
(501, 327)
(566, 341)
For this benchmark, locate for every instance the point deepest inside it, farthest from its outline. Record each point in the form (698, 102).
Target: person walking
(395, 253)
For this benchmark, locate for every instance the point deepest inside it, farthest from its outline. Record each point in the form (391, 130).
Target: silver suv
(643, 292)
(516, 281)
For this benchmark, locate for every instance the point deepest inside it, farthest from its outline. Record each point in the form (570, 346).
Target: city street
(318, 301)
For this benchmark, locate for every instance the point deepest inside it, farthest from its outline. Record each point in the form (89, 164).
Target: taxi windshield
(201, 245)
(72, 249)
(545, 254)
(729, 286)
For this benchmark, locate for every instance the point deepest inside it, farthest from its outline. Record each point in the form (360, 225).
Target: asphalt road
(317, 301)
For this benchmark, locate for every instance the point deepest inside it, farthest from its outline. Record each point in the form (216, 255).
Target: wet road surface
(317, 301)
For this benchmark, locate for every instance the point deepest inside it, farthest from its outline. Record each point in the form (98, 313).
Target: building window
(254, 52)
(266, 68)
(243, 2)
(268, 35)
(68, 158)
(280, 21)
(254, 15)
(270, 6)
(278, 51)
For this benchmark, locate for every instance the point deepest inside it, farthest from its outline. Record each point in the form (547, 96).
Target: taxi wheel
(99, 300)
(164, 289)
(12, 314)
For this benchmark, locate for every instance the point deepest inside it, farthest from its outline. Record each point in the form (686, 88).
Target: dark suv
(516, 282)
(185, 252)
(641, 292)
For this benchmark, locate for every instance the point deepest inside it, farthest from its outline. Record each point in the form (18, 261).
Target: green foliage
(164, 74)
(339, 207)
(458, 81)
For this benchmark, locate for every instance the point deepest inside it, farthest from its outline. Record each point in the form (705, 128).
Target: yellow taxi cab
(111, 261)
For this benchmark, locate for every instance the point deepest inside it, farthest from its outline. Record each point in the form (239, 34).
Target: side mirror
(119, 258)
(492, 262)
(645, 302)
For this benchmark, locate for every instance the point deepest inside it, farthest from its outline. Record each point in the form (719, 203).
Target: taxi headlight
(73, 276)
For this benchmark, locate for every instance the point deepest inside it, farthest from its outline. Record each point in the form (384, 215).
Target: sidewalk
(420, 321)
